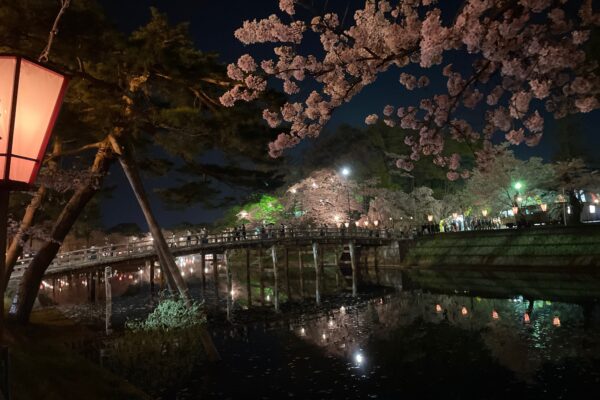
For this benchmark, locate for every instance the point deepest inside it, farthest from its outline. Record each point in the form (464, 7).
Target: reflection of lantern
(556, 321)
(515, 210)
(484, 212)
(464, 311)
(526, 318)
(430, 218)
(438, 308)
(544, 207)
(495, 314)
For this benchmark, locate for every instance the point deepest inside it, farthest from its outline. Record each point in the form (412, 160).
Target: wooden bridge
(141, 252)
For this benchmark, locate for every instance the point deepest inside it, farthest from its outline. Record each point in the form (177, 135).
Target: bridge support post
(301, 272)
(287, 274)
(353, 263)
(260, 276)
(162, 275)
(315, 249)
(337, 268)
(276, 279)
(108, 291)
(376, 263)
(248, 280)
(229, 286)
(150, 266)
(203, 272)
(216, 277)
(54, 288)
(92, 285)
(397, 244)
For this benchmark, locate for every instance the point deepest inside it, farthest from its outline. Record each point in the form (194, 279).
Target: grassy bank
(43, 367)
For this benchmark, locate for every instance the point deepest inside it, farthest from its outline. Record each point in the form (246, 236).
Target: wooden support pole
(315, 250)
(287, 274)
(260, 276)
(276, 279)
(229, 286)
(203, 272)
(301, 272)
(216, 276)
(108, 291)
(353, 263)
(248, 280)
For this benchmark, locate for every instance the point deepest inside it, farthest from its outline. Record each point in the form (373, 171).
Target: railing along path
(196, 243)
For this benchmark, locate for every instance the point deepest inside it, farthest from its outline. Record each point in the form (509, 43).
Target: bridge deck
(97, 257)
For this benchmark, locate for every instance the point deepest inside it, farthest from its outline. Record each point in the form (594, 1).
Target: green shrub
(172, 313)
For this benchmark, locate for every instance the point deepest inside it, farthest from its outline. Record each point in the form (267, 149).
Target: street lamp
(484, 212)
(518, 185)
(430, 218)
(544, 207)
(30, 99)
(346, 173)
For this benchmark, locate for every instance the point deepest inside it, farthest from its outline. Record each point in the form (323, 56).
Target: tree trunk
(167, 261)
(32, 278)
(16, 245)
(168, 265)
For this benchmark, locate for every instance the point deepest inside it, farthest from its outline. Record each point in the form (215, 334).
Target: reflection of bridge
(143, 251)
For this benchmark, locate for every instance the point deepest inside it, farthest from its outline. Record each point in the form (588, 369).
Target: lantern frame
(5, 182)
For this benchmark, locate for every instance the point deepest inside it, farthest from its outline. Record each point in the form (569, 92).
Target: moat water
(406, 341)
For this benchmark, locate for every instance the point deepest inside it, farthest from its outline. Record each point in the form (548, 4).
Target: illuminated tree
(526, 60)
(324, 197)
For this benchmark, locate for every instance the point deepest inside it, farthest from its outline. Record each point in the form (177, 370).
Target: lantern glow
(430, 218)
(544, 207)
(30, 99)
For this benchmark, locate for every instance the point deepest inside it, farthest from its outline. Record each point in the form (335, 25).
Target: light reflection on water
(409, 342)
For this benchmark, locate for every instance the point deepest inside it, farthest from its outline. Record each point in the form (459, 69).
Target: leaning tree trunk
(168, 265)
(32, 278)
(16, 245)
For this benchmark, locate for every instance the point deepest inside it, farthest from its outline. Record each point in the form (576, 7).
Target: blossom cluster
(528, 62)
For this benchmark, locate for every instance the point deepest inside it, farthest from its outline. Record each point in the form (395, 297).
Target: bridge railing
(117, 252)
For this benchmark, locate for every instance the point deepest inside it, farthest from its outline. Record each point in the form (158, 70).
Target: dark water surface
(411, 342)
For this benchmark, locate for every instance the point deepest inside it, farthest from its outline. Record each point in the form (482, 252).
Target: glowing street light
(430, 218)
(30, 99)
(544, 207)
(518, 185)
(376, 223)
(346, 171)
(484, 212)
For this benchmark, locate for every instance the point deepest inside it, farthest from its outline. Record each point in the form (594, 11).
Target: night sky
(212, 24)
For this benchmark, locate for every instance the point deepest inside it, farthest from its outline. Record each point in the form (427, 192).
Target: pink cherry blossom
(371, 119)
(519, 55)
